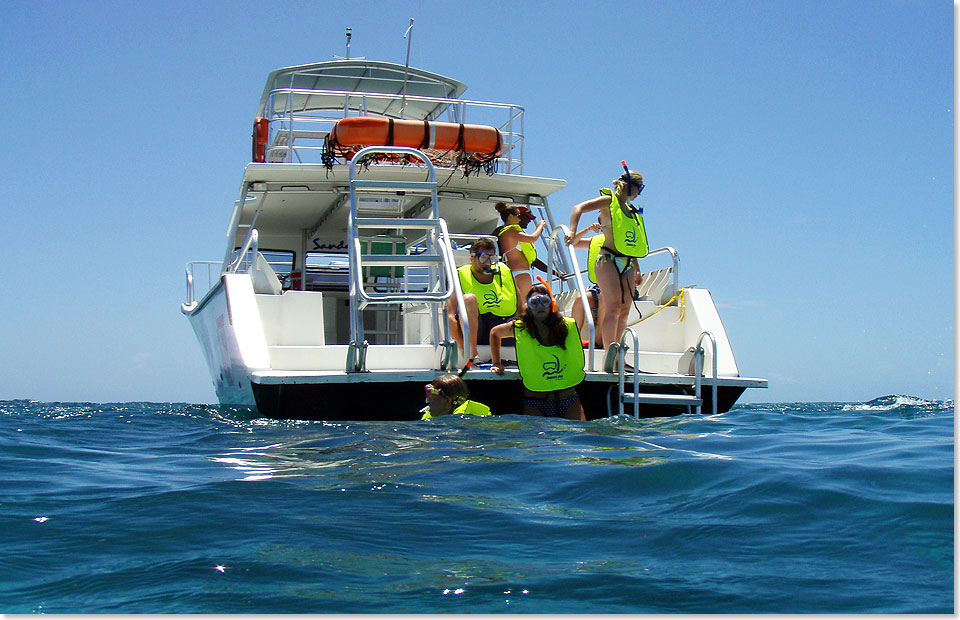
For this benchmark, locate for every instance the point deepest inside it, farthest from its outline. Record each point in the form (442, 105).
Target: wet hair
(556, 326)
(506, 210)
(483, 243)
(453, 387)
(621, 184)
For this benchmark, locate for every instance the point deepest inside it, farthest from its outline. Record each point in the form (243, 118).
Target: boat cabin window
(326, 271)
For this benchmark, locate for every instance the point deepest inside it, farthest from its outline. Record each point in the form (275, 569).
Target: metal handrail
(675, 280)
(622, 367)
(574, 268)
(191, 287)
(699, 365)
(357, 292)
(455, 108)
(448, 264)
(251, 245)
(697, 370)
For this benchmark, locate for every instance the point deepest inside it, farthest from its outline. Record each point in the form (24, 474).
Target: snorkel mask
(485, 265)
(553, 300)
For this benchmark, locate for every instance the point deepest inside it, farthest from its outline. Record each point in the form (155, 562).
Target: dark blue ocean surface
(172, 508)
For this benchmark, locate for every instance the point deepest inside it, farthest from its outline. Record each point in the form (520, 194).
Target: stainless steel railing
(297, 135)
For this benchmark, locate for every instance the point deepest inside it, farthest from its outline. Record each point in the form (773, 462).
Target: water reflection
(370, 455)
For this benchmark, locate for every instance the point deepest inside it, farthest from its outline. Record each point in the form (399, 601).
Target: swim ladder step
(661, 399)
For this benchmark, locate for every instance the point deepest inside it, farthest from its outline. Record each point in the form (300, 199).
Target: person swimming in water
(449, 394)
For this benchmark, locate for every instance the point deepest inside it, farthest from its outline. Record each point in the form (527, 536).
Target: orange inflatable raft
(352, 133)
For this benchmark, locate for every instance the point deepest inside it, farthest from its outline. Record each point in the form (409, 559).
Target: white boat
(330, 299)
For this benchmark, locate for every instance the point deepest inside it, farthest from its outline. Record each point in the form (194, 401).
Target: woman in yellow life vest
(625, 240)
(449, 394)
(516, 246)
(549, 355)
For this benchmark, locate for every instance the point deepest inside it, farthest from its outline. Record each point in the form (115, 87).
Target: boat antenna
(408, 35)
(349, 36)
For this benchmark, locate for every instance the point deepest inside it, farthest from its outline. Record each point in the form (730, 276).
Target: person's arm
(532, 237)
(589, 205)
(498, 333)
(584, 244)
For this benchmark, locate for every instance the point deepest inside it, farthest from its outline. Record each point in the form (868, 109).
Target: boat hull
(229, 327)
(367, 396)
(212, 323)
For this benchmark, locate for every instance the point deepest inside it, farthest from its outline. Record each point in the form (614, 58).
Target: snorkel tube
(630, 182)
(553, 300)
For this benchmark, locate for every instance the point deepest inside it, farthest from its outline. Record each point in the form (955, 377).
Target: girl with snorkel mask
(549, 356)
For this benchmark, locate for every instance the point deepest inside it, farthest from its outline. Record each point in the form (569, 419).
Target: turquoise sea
(175, 508)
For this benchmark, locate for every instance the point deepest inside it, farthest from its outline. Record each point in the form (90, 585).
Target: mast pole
(408, 35)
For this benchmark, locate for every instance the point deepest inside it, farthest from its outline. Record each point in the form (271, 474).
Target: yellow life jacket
(526, 248)
(499, 297)
(629, 234)
(468, 407)
(547, 369)
(595, 244)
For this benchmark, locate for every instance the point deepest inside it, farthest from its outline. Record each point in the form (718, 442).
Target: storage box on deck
(383, 245)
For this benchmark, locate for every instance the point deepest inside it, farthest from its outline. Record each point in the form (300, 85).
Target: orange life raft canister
(356, 131)
(260, 131)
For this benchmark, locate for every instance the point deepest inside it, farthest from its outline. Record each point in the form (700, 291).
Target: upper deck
(302, 104)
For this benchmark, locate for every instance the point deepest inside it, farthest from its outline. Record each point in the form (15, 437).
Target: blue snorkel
(626, 177)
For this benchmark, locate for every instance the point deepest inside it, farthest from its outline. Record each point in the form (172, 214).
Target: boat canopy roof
(285, 199)
(332, 79)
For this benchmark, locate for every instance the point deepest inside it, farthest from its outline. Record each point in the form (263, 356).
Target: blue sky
(800, 157)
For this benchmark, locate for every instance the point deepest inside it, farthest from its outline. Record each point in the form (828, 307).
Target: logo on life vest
(554, 369)
(630, 237)
(490, 298)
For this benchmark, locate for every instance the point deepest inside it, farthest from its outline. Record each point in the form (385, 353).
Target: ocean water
(174, 508)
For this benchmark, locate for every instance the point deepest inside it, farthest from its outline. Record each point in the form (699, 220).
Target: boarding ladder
(636, 397)
(436, 259)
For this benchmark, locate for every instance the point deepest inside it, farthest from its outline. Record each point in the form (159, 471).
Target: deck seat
(334, 357)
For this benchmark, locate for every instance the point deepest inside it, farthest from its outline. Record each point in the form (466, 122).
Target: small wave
(902, 404)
